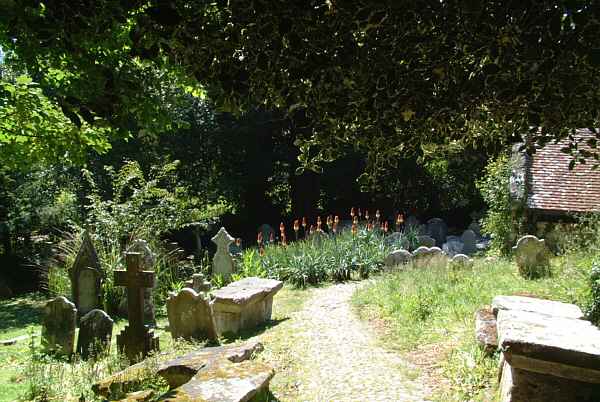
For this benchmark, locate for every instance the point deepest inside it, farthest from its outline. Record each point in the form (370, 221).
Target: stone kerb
(244, 304)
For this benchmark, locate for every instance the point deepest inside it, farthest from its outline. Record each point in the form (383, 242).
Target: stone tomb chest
(244, 304)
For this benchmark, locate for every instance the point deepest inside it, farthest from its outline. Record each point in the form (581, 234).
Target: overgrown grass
(436, 305)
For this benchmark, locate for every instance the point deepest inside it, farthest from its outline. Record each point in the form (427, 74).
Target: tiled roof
(553, 187)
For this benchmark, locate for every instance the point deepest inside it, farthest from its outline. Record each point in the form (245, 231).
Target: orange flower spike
(354, 228)
(400, 220)
(312, 229)
(385, 227)
(238, 242)
(272, 238)
(296, 225)
(336, 220)
(319, 223)
(259, 238)
(352, 212)
(261, 251)
(366, 214)
(281, 227)
(359, 213)
(283, 239)
(355, 220)
(377, 215)
(304, 222)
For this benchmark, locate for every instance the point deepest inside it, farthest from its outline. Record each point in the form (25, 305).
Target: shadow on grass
(249, 333)
(21, 311)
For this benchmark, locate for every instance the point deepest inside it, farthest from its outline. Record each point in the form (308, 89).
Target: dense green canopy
(385, 76)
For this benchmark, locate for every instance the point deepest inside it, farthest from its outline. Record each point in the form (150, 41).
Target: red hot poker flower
(296, 225)
(352, 212)
(259, 238)
(304, 222)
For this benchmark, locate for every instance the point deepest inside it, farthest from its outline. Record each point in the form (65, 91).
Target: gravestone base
(518, 385)
(129, 344)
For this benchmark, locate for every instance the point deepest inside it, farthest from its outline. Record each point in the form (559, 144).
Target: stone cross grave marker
(191, 316)
(148, 261)
(58, 326)
(136, 340)
(95, 333)
(86, 277)
(222, 261)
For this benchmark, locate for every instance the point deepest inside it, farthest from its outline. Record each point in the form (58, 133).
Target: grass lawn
(431, 309)
(31, 376)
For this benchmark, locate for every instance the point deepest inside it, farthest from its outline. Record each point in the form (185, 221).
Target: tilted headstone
(532, 255)
(58, 326)
(223, 261)
(437, 229)
(475, 227)
(148, 261)
(397, 257)
(136, 340)
(191, 316)
(86, 277)
(95, 333)
(469, 239)
(425, 241)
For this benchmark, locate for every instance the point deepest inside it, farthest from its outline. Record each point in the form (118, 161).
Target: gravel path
(340, 358)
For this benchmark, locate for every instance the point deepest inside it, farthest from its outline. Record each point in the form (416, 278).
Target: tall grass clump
(320, 257)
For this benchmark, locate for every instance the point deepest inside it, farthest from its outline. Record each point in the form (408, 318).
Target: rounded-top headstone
(397, 257)
(58, 326)
(532, 256)
(437, 229)
(469, 239)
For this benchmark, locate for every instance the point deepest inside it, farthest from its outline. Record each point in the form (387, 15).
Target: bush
(593, 311)
(499, 221)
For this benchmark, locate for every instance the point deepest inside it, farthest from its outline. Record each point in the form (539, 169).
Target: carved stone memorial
(58, 326)
(223, 261)
(191, 316)
(95, 333)
(86, 277)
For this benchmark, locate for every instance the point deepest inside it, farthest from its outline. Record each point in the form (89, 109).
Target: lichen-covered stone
(58, 326)
(224, 382)
(191, 316)
(461, 261)
(532, 256)
(397, 257)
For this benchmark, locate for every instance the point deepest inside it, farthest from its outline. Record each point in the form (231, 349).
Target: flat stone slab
(246, 291)
(558, 346)
(535, 305)
(225, 382)
(182, 369)
(176, 371)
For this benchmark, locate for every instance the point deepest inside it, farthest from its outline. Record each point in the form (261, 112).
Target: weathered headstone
(476, 228)
(198, 283)
(461, 261)
(427, 256)
(453, 247)
(469, 239)
(437, 229)
(425, 241)
(58, 326)
(86, 277)
(244, 304)
(95, 333)
(397, 257)
(136, 340)
(191, 316)
(223, 261)
(148, 261)
(533, 257)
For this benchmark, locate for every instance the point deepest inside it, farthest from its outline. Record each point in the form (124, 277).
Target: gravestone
(453, 247)
(198, 283)
(460, 261)
(266, 230)
(58, 326)
(469, 239)
(148, 261)
(223, 261)
(427, 256)
(533, 258)
(95, 333)
(397, 257)
(191, 316)
(136, 340)
(425, 241)
(86, 277)
(244, 304)
(475, 227)
(411, 222)
(437, 229)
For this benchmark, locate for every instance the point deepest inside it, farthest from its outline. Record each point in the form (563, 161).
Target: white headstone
(223, 261)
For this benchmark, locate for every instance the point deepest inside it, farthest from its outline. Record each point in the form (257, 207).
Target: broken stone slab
(244, 304)
(557, 346)
(225, 382)
(486, 333)
(181, 370)
(535, 305)
(175, 371)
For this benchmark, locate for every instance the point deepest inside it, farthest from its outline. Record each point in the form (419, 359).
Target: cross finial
(223, 239)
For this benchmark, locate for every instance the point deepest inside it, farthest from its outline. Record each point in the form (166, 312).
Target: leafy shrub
(499, 220)
(593, 311)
